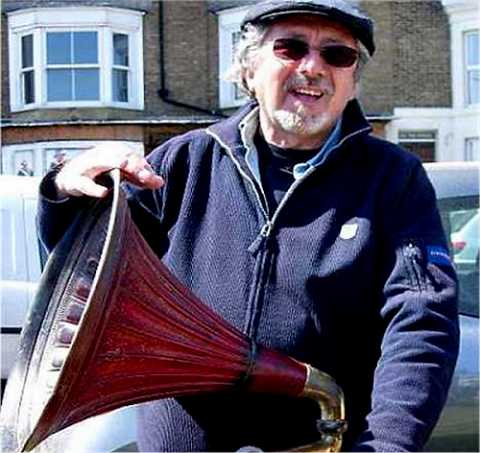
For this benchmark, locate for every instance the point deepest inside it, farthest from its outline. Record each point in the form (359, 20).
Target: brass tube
(321, 388)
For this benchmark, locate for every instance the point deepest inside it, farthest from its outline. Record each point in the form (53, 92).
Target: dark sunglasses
(336, 55)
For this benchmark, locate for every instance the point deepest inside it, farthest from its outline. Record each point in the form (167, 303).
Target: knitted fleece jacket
(341, 276)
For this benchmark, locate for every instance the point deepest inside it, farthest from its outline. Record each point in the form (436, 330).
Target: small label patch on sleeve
(438, 255)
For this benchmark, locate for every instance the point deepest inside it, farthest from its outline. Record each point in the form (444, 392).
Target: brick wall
(4, 71)
(422, 54)
(411, 67)
(190, 59)
(376, 89)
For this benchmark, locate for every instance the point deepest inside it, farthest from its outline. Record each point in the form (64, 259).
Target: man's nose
(313, 64)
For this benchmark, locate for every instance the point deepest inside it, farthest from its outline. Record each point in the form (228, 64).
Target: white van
(20, 266)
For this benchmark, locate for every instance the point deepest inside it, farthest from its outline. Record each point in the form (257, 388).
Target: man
(24, 169)
(303, 231)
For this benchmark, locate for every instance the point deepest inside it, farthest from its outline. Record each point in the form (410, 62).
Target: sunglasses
(336, 55)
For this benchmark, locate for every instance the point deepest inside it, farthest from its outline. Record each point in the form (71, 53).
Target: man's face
(300, 100)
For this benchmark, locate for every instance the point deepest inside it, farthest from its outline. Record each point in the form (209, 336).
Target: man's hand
(77, 177)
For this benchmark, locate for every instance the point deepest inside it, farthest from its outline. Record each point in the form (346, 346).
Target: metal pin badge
(349, 231)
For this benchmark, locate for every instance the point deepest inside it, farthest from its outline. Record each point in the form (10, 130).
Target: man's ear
(249, 78)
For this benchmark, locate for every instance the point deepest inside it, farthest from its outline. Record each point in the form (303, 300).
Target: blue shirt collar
(248, 128)
(333, 139)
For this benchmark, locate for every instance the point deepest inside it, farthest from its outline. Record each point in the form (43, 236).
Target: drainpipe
(163, 92)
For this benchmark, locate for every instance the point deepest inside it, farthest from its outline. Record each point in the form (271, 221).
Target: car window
(461, 220)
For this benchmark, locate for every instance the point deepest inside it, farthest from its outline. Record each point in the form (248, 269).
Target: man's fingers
(138, 171)
(78, 175)
(90, 188)
(78, 186)
(147, 178)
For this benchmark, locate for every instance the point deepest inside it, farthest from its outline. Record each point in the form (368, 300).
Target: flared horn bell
(111, 326)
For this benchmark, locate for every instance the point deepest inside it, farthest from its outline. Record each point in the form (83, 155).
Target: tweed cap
(341, 11)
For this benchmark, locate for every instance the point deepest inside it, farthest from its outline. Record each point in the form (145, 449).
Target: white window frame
(228, 23)
(105, 21)
(39, 152)
(467, 67)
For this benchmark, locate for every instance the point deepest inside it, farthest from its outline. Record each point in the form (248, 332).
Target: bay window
(76, 57)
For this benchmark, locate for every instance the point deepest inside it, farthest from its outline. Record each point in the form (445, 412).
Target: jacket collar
(227, 132)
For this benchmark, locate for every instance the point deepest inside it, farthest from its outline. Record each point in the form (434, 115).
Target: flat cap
(341, 11)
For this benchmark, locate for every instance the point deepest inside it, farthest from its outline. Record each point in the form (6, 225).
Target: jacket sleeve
(421, 340)
(54, 214)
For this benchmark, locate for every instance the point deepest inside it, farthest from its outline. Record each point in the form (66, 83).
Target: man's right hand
(77, 177)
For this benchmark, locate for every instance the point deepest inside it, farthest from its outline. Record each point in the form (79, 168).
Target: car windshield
(460, 217)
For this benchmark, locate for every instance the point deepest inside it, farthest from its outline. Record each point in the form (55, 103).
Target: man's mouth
(307, 94)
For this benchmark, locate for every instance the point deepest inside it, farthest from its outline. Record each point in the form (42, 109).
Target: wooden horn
(111, 326)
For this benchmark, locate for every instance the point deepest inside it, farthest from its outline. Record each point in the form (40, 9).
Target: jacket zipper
(262, 199)
(297, 182)
(259, 245)
(412, 258)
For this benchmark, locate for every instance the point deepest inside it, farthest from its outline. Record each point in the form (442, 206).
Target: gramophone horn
(111, 326)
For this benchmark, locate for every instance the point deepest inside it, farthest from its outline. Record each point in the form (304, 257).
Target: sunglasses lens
(339, 56)
(290, 49)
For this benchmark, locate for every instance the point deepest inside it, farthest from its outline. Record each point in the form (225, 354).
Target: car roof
(19, 186)
(454, 179)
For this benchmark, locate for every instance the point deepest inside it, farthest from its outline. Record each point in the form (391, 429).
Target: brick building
(80, 72)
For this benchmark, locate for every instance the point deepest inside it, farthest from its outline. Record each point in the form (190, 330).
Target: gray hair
(250, 43)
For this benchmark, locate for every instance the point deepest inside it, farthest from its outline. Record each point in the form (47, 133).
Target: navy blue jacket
(346, 275)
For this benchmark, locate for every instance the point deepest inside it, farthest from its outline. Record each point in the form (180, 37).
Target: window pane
(120, 85)
(424, 150)
(473, 49)
(28, 87)
(238, 94)
(59, 85)
(85, 47)
(473, 87)
(120, 49)
(27, 51)
(86, 85)
(58, 48)
(472, 148)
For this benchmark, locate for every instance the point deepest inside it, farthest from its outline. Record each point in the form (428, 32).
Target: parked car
(457, 188)
(20, 260)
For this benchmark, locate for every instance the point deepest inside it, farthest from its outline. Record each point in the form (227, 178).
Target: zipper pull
(266, 229)
(261, 238)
